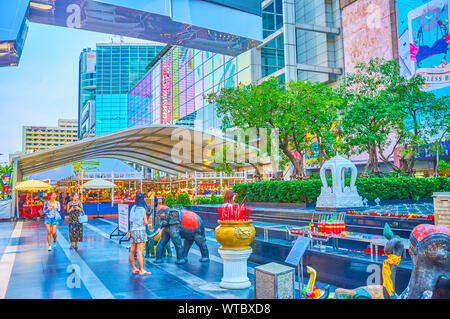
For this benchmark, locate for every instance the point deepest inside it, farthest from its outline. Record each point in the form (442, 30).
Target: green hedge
(307, 191)
(183, 199)
(209, 200)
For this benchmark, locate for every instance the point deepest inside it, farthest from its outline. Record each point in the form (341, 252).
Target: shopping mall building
(311, 40)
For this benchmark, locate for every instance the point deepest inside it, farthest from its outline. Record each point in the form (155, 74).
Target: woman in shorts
(138, 234)
(51, 210)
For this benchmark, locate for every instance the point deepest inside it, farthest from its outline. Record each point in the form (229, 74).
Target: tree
(317, 106)
(5, 169)
(372, 111)
(265, 105)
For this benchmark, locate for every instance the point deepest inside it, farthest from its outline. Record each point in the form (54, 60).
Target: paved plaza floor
(28, 270)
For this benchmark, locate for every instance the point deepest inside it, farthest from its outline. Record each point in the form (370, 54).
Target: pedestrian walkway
(100, 269)
(28, 270)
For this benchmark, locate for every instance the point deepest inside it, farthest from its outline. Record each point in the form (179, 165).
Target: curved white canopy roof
(151, 146)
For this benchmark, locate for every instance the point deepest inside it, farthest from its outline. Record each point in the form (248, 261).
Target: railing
(213, 175)
(109, 175)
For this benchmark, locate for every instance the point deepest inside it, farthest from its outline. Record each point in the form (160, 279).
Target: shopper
(61, 202)
(67, 201)
(138, 234)
(52, 217)
(228, 199)
(75, 209)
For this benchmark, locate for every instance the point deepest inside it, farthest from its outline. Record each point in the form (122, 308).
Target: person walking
(75, 209)
(52, 217)
(138, 234)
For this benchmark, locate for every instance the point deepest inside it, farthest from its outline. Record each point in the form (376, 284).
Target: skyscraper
(118, 67)
(86, 93)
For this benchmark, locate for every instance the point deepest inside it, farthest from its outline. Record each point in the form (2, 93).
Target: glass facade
(272, 53)
(119, 67)
(319, 42)
(86, 93)
(174, 90)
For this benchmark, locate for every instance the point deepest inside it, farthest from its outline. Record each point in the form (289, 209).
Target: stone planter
(235, 238)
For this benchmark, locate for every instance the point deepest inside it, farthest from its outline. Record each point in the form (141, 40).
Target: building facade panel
(181, 80)
(367, 32)
(119, 67)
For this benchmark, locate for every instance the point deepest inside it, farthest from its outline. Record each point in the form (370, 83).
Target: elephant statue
(152, 241)
(429, 249)
(175, 225)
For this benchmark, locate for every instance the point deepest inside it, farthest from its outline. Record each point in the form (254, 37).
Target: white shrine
(338, 196)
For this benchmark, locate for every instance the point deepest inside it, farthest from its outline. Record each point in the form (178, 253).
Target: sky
(44, 87)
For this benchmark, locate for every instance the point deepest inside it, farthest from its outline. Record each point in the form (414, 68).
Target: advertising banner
(166, 90)
(124, 217)
(6, 180)
(424, 42)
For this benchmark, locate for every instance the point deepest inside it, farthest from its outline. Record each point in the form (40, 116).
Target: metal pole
(112, 190)
(301, 269)
(195, 183)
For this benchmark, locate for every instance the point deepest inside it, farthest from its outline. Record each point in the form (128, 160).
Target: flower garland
(430, 217)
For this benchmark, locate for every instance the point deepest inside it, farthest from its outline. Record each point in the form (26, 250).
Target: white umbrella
(98, 183)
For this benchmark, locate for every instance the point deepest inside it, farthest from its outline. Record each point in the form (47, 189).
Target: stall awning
(98, 183)
(32, 186)
(151, 146)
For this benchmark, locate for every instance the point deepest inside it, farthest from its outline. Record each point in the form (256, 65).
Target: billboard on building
(423, 33)
(166, 90)
(367, 32)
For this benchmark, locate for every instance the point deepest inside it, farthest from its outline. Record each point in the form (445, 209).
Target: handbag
(83, 219)
(57, 217)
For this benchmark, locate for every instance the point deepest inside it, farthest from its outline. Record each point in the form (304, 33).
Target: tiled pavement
(28, 270)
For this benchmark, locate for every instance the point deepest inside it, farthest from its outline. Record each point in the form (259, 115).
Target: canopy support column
(16, 179)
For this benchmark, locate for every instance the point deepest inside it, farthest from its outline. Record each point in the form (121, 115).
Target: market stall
(97, 186)
(31, 194)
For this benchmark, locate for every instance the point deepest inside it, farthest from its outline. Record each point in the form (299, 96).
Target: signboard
(124, 217)
(166, 90)
(298, 250)
(424, 42)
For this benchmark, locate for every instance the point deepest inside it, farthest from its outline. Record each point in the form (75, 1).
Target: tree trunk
(373, 158)
(258, 173)
(321, 153)
(296, 162)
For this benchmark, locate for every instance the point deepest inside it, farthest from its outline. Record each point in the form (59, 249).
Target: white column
(235, 269)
